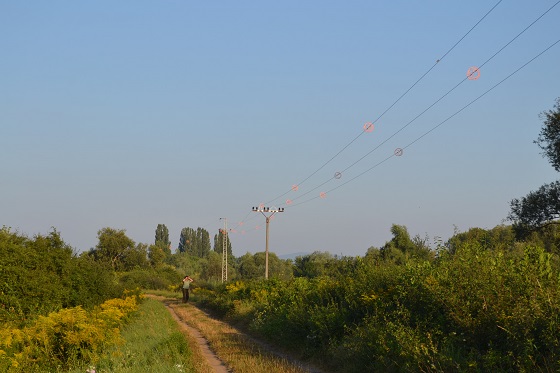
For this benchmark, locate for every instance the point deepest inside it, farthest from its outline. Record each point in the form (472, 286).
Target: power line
(435, 102)
(441, 123)
(415, 118)
(394, 103)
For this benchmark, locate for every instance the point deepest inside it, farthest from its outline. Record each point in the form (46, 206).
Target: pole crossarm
(268, 209)
(271, 211)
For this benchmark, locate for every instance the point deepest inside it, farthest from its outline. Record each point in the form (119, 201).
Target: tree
(253, 266)
(401, 248)
(195, 242)
(42, 274)
(314, 265)
(156, 255)
(549, 137)
(498, 238)
(536, 209)
(247, 267)
(219, 243)
(541, 207)
(184, 240)
(112, 248)
(204, 245)
(162, 236)
(162, 240)
(136, 257)
(212, 269)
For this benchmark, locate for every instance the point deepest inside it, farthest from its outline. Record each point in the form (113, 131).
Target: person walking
(186, 286)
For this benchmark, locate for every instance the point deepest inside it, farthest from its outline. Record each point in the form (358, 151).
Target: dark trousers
(185, 295)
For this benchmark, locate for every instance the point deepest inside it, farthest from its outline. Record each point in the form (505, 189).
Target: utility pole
(224, 250)
(271, 212)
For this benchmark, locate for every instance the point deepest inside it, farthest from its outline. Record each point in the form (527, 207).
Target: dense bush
(160, 278)
(64, 338)
(42, 275)
(478, 308)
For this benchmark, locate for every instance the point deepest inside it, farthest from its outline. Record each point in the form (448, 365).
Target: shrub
(64, 338)
(155, 279)
(42, 275)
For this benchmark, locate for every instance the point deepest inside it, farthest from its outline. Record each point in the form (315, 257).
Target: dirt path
(269, 359)
(212, 359)
(213, 362)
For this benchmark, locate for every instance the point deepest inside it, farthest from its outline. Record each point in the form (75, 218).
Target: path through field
(212, 359)
(227, 349)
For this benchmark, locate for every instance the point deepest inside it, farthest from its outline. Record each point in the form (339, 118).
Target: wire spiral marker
(473, 73)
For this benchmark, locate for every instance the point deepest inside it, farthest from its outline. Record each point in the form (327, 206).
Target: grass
(153, 343)
(238, 351)
(166, 293)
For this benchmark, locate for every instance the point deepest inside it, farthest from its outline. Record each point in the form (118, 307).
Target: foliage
(136, 257)
(162, 238)
(253, 266)
(112, 248)
(314, 265)
(42, 275)
(549, 137)
(156, 254)
(486, 304)
(64, 338)
(541, 207)
(151, 343)
(497, 238)
(537, 208)
(160, 278)
(212, 270)
(219, 242)
(188, 264)
(547, 237)
(194, 242)
(401, 248)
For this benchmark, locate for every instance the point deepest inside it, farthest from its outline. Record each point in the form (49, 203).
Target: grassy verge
(153, 343)
(166, 293)
(239, 352)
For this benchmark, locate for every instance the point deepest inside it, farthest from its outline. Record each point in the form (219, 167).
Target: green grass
(153, 344)
(166, 293)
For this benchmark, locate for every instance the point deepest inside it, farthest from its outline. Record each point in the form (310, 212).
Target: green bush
(476, 309)
(161, 278)
(43, 275)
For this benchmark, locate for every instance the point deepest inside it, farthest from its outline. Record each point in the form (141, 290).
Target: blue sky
(130, 114)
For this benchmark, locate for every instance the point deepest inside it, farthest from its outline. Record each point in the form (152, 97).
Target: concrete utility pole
(272, 211)
(224, 250)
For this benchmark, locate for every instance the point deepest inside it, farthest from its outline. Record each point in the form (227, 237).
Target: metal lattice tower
(224, 250)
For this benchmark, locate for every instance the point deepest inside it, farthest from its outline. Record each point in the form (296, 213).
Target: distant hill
(292, 255)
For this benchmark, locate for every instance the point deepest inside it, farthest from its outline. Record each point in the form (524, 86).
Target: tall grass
(153, 343)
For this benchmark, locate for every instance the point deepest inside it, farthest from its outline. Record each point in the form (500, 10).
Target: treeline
(43, 274)
(485, 300)
(156, 266)
(482, 301)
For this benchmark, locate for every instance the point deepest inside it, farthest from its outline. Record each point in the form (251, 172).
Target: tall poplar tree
(162, 235)
(194, 242)
(219, 243)
(162, 239)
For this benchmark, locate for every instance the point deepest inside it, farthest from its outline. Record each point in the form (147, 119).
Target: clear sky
(128, 114)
